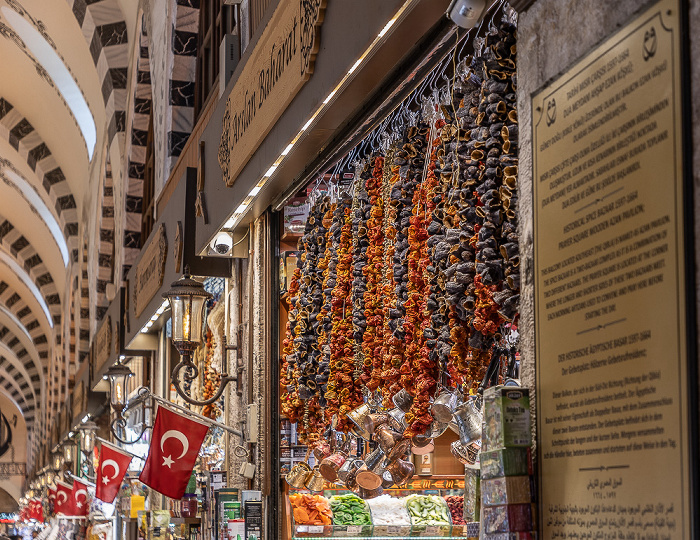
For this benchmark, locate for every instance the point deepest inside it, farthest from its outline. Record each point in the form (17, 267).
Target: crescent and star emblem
(77, 494)
(109, 463)
(180, 436)
(65, 497)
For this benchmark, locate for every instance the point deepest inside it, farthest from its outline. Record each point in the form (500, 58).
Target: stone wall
(552, 35)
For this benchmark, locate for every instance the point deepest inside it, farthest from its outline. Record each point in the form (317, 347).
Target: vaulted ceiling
(63, 87)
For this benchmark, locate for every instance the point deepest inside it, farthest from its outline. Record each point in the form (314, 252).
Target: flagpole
(83, 480)
(115, 447)
(203, 419)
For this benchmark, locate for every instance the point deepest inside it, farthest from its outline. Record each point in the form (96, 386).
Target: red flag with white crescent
(64, 499)
(79, 495)
(175, 444)
(38, 511)
(52, 494)
(110, 472)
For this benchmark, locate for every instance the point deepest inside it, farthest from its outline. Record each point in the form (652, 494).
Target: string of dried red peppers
(372, 340)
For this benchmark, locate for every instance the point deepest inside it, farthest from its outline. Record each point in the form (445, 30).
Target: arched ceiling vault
(63, 95)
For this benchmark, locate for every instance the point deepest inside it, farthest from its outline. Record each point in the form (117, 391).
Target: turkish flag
(110, 472)
(64, 499)
(38, 511)
(79, 497)
(52, 494)
(175, 443)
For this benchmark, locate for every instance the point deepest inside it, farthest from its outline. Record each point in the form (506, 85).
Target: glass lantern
(118, 376)
(69, 449)
(87, 436)
(187, 299)
(57, 461)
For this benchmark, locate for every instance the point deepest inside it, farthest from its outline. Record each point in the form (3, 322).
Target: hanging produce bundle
(406, 286)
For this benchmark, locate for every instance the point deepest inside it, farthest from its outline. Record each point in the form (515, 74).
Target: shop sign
(280, 64)
(103, 344)
(611, 328)
(150, 270)
(79, 399)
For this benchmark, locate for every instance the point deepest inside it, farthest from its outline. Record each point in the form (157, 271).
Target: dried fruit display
(410, 283)
(310, 509)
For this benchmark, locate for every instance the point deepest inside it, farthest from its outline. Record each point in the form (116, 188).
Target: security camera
(222, 243)
(466, 13)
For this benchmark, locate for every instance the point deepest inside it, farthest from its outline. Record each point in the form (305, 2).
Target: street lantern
(87, 436)
(69, 450)
(187, 299)
(57, 460)
(118, 375)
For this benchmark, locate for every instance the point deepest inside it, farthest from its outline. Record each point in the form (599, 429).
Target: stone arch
(133, 201)
(84, 321)
(182, 82)
(12, 302)
(21, 449)
(24, 138)
(103, 25)
(27, 257)
(105, 247)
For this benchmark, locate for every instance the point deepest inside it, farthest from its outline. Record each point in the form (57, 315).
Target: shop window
(149, 183)
(215, 21)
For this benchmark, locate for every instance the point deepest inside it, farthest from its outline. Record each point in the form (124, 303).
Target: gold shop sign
(103, 344)
(150, 271)
(612, 398)
(280, 64)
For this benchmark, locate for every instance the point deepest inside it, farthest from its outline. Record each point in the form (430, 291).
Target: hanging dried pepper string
(424, 371)
(390, 364)
(343, 393)
(327, 268)
(373, 274)
(407, 253)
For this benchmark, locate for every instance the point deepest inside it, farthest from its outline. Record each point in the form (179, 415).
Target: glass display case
(432, 520)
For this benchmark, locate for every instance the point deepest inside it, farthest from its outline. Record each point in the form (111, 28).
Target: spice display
(427, 510)
(349, 509)
(310, 509)
(455, 504)
(388, 510)
(408, 279)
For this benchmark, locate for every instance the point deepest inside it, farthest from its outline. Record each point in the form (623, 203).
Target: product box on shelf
(505, 462)
(472, 494)
(506, 490)
(506, 418)
(508, 518)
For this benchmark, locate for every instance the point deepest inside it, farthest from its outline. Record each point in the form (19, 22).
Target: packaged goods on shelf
(506, 417)
(508, 518)
(506, 490)
(505, 462)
